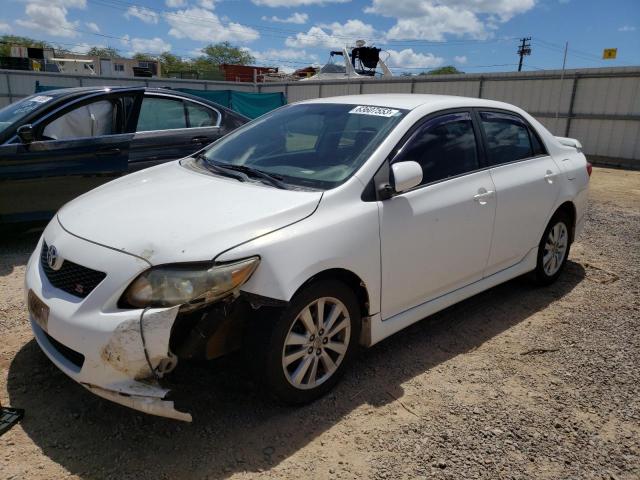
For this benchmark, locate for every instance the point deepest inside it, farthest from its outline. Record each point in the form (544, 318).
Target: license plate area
(38, 310)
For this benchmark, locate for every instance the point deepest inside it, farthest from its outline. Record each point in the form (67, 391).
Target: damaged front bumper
(97, 344)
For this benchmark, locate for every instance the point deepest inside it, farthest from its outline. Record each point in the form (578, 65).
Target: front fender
(344, 236)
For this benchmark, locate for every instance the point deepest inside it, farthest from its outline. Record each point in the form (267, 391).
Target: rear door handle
(482, 196)
(108, 151)
(549, 177)
(199, 139)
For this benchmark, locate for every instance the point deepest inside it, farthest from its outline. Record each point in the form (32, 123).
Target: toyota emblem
(52, 258)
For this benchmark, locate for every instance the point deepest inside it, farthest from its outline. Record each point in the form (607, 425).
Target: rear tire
(553, 250)
(307, 347)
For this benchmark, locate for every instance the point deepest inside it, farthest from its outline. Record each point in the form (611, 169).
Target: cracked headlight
(195, 284)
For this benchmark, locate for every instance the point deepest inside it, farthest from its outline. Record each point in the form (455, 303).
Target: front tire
(553, 250)
(311, 342)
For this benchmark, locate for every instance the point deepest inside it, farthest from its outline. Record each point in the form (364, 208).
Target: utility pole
(524, 49)
(564, 64)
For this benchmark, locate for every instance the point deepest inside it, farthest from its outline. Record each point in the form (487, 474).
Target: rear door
(527, 186)
(170, 127)
(78, 147)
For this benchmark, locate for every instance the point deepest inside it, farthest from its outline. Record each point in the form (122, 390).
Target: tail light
(589, 168)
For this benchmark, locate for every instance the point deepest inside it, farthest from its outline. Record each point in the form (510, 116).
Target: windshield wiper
(215, 168)
(274, 180)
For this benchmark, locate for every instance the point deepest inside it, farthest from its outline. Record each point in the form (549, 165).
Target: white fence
(598, 106)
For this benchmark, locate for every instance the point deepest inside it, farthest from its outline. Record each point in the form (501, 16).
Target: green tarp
(44, 88)
(250, 105)
(253, 105)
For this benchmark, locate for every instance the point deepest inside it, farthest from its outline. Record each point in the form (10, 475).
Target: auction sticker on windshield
(378, 111)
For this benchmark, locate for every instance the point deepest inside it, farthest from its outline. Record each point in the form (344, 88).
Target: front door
(436, 238)
(75, 150)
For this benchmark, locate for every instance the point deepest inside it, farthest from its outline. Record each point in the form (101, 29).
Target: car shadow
(235, 428)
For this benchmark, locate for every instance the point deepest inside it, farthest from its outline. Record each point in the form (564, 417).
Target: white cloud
(461, 59)
(5, 27)
(175, 3)
(334, 35)
(627, 28)
(149, 45)
(295, 3)
(433, 19)
(142, 13)
(203, 25)
(50, 16)
(407, 58)
(93, 27)
(209, 4)
(83, 48)
(284, 55)
(297, 18)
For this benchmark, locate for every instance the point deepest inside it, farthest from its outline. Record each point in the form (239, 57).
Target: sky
(415, 35)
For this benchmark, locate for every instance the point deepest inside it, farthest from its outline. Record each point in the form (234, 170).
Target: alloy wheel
(555, 249)
(316, 343)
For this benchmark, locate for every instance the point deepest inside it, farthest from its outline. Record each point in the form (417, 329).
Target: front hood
(170, 214)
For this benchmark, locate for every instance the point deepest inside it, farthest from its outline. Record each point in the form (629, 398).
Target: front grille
(74, 357)
(71, 277)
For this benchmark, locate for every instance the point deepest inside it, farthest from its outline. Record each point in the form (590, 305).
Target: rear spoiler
(570, 142)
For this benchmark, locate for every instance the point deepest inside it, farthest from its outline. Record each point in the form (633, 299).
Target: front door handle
(108, 151)
(483, 195)
(199, 139)
(549, 177)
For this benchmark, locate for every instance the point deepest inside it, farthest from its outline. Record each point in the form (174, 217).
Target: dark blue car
(59, 144)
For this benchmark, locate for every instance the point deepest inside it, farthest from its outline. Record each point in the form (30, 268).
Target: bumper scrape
(151, 401)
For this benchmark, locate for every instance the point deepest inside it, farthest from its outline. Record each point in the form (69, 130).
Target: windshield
(309, 145)
(18, 110)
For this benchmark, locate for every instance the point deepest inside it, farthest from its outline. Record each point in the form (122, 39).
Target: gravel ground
(517, 382)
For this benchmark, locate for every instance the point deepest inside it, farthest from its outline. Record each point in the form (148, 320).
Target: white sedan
(316, 228)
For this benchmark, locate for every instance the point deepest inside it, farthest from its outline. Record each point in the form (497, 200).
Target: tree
(6, 41)
(103, 52)
(446, 70)
(145, 57)
(173, 63)
(224, 52)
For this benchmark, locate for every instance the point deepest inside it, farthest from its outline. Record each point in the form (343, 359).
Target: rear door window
(158, 113)
(508, 138)
(201, 116)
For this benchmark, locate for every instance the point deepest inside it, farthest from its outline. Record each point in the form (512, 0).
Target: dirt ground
(517, 382)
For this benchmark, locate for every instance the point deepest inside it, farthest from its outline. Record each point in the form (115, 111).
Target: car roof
(75, 91)
(410, 101)
(72, 91)
(60, 94)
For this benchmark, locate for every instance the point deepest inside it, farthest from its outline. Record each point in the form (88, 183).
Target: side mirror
(406, 175)
(25, 133)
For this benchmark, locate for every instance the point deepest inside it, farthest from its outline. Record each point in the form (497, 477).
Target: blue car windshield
(316, 145)
(16, 111)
